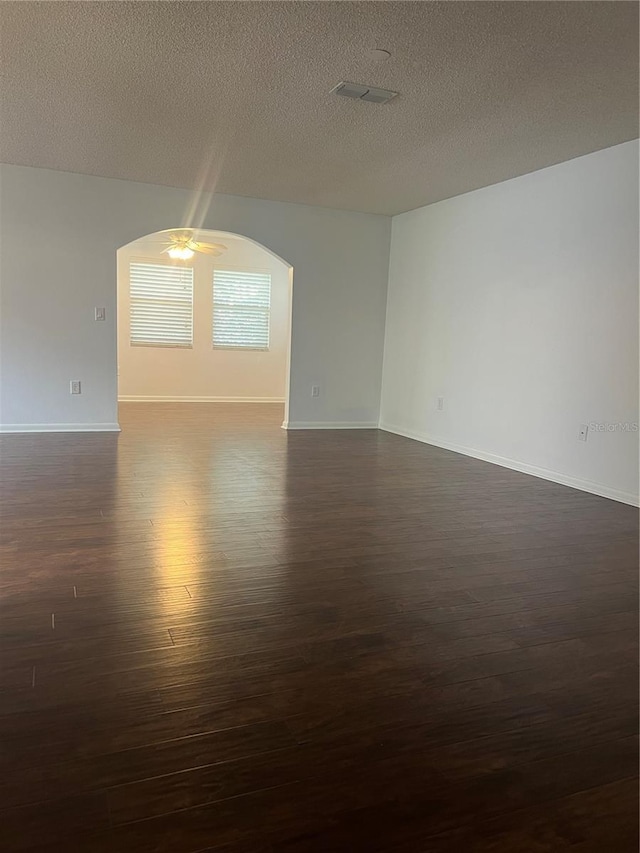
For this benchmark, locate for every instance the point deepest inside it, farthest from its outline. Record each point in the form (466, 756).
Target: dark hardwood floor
(219, 636)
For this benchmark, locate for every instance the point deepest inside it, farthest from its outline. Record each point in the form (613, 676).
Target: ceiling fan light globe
(181, 253)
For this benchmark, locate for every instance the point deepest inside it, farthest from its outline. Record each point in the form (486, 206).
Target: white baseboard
(515, 465)
(136, 399)
(329, 425)
(18, 428)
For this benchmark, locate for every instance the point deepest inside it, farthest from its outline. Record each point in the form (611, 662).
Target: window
(241, 309)
(161, 305)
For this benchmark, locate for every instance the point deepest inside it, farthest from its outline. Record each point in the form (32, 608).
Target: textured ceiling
(234, 96)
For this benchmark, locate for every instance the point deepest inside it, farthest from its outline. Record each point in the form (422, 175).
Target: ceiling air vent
(364, 93)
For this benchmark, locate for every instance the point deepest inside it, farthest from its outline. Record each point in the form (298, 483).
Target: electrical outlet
(583, 432)
(75, 387)
(440, 404)
(101, 314)
(315, 390)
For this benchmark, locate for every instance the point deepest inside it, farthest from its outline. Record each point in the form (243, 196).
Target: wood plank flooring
(219, 636)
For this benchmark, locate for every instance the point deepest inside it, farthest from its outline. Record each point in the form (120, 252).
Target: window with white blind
(241, 309)
(161, 305)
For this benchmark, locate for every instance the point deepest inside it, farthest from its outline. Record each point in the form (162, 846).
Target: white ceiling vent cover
(364, 93)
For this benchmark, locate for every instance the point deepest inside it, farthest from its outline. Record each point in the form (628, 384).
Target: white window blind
(161, 305)
(241, 309)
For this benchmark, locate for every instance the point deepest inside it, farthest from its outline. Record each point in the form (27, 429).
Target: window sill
(241, 349)
(160, 346)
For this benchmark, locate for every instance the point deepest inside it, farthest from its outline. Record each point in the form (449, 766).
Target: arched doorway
(203, 316)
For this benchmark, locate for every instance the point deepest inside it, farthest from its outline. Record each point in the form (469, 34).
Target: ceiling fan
(181, 245)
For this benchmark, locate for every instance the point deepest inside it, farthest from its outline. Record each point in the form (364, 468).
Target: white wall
(202, 372)
(59, 234)
(518, 304)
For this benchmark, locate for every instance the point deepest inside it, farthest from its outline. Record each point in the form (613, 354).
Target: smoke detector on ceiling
(364, 93)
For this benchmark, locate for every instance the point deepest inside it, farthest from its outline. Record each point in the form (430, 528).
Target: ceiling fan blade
(211, 248)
